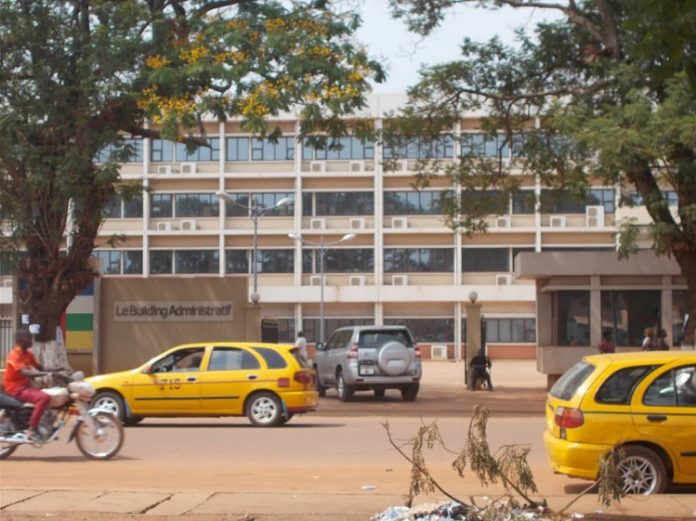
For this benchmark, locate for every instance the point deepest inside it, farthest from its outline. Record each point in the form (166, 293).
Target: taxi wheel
(642, 471)
(264, 410)
(111, 402)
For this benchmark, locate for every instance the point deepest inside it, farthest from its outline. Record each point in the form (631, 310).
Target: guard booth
(269, 331)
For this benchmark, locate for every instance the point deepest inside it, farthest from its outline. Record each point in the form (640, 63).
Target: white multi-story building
(405, 265)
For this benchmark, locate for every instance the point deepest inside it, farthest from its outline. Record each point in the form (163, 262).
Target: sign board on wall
(168, 311)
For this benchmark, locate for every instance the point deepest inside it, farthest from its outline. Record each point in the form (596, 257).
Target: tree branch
(211, 6)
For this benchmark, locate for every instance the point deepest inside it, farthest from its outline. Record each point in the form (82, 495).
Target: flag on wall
(77, 323)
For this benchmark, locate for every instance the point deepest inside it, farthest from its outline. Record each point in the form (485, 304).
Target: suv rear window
(573, 378)
(378, 338)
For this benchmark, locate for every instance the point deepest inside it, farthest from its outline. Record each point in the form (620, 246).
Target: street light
(255, 211)
(322, 250)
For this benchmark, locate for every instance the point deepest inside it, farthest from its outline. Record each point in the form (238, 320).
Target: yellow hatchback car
(644, 403)
(268, 383)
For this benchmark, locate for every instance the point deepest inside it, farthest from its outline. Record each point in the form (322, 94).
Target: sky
(402, 52)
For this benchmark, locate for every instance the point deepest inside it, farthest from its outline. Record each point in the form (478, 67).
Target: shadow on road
(233, 426)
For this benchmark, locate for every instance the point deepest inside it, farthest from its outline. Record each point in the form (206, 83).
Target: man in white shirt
(301, 345)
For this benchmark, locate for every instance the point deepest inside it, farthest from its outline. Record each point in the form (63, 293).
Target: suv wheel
(409, 392)
(319, 386)
(345, 391)
(379, 393)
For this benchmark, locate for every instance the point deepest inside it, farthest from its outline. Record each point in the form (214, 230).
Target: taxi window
(188, 359)
(675, 388)
(573, 378)
(273, 359)
(232, 359)
(619, 387)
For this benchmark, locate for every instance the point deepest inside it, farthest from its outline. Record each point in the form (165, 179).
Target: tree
(77, 77)
(605, 92)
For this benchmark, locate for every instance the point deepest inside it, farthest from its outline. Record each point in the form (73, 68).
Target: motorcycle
(97, 431)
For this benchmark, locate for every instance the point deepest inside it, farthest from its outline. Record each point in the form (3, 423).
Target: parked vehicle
(268, 383)
(97, 432)
(376, 358)
(642, 403)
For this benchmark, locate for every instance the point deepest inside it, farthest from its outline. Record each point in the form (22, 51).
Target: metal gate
(6, 339)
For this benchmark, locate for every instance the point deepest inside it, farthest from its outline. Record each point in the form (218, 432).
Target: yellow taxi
(268, 383)
(644, 403)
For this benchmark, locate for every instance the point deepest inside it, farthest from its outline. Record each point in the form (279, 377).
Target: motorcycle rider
(21, 366)
(479, 369)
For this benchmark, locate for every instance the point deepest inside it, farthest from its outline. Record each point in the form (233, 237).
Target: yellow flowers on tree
(76, 77)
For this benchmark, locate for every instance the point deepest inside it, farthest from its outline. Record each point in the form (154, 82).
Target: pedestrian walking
(661, 341)
(606, 345)
(648, 341)
(301, 345)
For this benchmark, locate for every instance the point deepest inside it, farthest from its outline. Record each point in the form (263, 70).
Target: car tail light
(416, 349)
(283, 382)
(303, 377)
(353, 352)
(567, 418)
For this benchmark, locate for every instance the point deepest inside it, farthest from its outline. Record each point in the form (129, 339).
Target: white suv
(377, 358)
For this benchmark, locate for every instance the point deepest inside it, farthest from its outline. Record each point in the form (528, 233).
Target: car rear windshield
(379, 338)
(568, 384)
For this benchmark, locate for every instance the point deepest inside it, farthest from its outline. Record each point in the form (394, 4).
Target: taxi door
(664, 410)
(232, 372)
(171, 385)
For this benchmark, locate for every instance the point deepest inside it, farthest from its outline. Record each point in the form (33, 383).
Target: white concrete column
(298, 209)
(379, 210)
(458, 331)
(222, 204)
(379, 313)
(147, 147)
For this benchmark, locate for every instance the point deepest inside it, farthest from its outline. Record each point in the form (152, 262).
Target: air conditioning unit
(188, 225)
(356, 166)
(163, 169)
(594, 216)
(356, 280)
(402, 165)
(557, 221)
(164, 226)
(356, 223)
(317, 224)
(317, 166)
(503, 221)
(188, 168)
(315, 280)
(503, 279)
(438, 352)
(399, 222)
(399, 280)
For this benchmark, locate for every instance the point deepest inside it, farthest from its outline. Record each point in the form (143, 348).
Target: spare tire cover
(394, 358)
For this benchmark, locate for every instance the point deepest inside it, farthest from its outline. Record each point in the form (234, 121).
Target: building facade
(404, 265)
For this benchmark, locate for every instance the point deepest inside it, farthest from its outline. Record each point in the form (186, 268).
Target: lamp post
(255, 211)
(322, 250)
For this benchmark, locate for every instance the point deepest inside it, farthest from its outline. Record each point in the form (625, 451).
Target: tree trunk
(687, 263)
(51, 355)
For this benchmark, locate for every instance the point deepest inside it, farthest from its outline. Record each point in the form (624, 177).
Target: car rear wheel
(642, 471)
(409, 393)
(321, 390)
(110, 401)
(264, 410)
(345, 391)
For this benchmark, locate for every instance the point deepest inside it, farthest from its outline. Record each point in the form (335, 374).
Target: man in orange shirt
(22, 365)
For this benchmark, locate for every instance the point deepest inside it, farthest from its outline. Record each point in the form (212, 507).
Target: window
(485, 202)
(619, 387)
(572, 379)
(196, 261)
(133, 262)
(112, 210)
(161, 262)
(133, 207)
(275, 261)
(523, 202)
(675, 388)
(236, 261)
(341, 148)
(260, 200)
(161, 206)
(348, 260)
(258, 149)
(562, 201)
(310, 326)
(272, 358)
(110, 262)
(116, 262)
(237, 149)
(286, 330)
(231, 359)
(511, 330)
(414, 202)
(426, 329)
(406, 260)
(571, 315)
(344, 203)
(127, 151)
(180, 360)
(483, 145)
(371, 339)
(161, 151)
(485, 260)
(628, 313)
(442, 148)
(201, 153)
(196, 205)
(602, 197)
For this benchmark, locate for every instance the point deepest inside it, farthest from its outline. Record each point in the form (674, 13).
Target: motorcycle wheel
(106, 442)
(6, 428)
